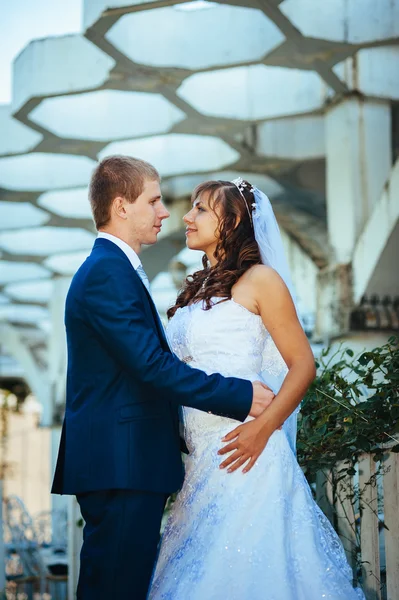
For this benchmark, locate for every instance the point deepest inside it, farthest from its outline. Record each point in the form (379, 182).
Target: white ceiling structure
(197, 88)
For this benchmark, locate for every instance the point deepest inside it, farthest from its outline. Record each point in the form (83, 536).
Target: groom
(120, 447)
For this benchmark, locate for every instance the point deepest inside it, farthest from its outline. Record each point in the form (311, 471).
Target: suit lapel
(160, 328)
(114, 248)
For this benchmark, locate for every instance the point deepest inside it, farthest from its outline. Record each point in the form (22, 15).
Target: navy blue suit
(120, 447)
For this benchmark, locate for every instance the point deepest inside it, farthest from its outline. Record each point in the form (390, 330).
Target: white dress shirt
(130, 253)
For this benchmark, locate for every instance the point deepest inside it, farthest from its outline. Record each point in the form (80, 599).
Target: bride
(259, 535)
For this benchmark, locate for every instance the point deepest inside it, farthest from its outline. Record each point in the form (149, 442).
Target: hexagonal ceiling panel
(35, 291)
(37, 69)
(292, 138)
(19, 271)
(23, 313)
(192, 39)
(66, 264)
(364, 20)
(93, 9)
(45, 240)
(195, 5)
(267, 184)
(255, 92)
(15, 136)
(177, 153)
(72, 203)
(40, 171)
(107, 114)
(14, 215)
(183, 185)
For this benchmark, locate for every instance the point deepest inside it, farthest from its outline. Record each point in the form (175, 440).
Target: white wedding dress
(254, 536)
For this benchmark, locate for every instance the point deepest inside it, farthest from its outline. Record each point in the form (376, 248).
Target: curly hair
(236, 250)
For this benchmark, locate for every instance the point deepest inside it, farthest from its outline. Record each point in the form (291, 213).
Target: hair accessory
(241, 185)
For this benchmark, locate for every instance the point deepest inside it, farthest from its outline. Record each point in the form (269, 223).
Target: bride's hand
(247, 442)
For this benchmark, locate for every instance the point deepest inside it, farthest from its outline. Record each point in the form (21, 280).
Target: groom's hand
(262, 397)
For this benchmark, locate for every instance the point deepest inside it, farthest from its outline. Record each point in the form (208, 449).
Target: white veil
(268, 238)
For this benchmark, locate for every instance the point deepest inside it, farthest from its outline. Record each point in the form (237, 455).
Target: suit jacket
(124, 386)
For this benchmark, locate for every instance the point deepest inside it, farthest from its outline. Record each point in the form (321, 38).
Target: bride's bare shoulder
(263, 275)
(267, 284)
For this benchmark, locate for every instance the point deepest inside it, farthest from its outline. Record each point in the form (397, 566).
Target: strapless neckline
(225, 301)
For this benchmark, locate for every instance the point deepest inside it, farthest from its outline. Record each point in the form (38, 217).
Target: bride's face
(202, 226)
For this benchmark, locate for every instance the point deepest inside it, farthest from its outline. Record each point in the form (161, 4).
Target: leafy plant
(352, 407)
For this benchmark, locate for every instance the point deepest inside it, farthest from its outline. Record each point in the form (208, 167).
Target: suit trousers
(120, 542)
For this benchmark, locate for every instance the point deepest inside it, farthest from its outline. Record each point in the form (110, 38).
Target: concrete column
(358, 163)
(58, 503)
(56, 374)
(334, 302)
(35, 375)
(304, 274)
(75, 541)
(2, 548)
(57, 358)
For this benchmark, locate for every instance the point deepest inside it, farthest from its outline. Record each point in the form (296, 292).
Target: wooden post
(75, 540)
(391, 516)
(324, 494)
(346, 516)
(369, 540)
(2, 548)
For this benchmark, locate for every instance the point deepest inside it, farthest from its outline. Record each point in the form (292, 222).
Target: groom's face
(146, 213)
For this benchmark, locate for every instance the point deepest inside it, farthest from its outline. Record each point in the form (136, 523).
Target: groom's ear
(118, 207)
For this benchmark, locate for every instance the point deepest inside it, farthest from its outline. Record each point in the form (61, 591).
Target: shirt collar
(130, 253)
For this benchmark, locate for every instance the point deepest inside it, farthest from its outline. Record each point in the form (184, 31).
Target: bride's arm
(279, 316)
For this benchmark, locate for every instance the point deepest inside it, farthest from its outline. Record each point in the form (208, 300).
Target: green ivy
(352, 407)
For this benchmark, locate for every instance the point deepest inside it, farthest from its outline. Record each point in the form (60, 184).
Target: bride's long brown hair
(236, 249)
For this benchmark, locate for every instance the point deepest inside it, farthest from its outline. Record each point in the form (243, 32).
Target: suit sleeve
(115, 310)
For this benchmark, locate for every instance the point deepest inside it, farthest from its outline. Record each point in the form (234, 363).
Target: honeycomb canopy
(202, 90)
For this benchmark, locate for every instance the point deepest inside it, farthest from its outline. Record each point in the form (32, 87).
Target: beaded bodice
(227, 339)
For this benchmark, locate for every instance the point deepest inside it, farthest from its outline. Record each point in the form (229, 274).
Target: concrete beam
(334, 302)
(374, 238)
(35, 376)
(372, 72)
(358, 152)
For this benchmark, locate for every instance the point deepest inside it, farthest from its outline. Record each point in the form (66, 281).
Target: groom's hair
(117, 176)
